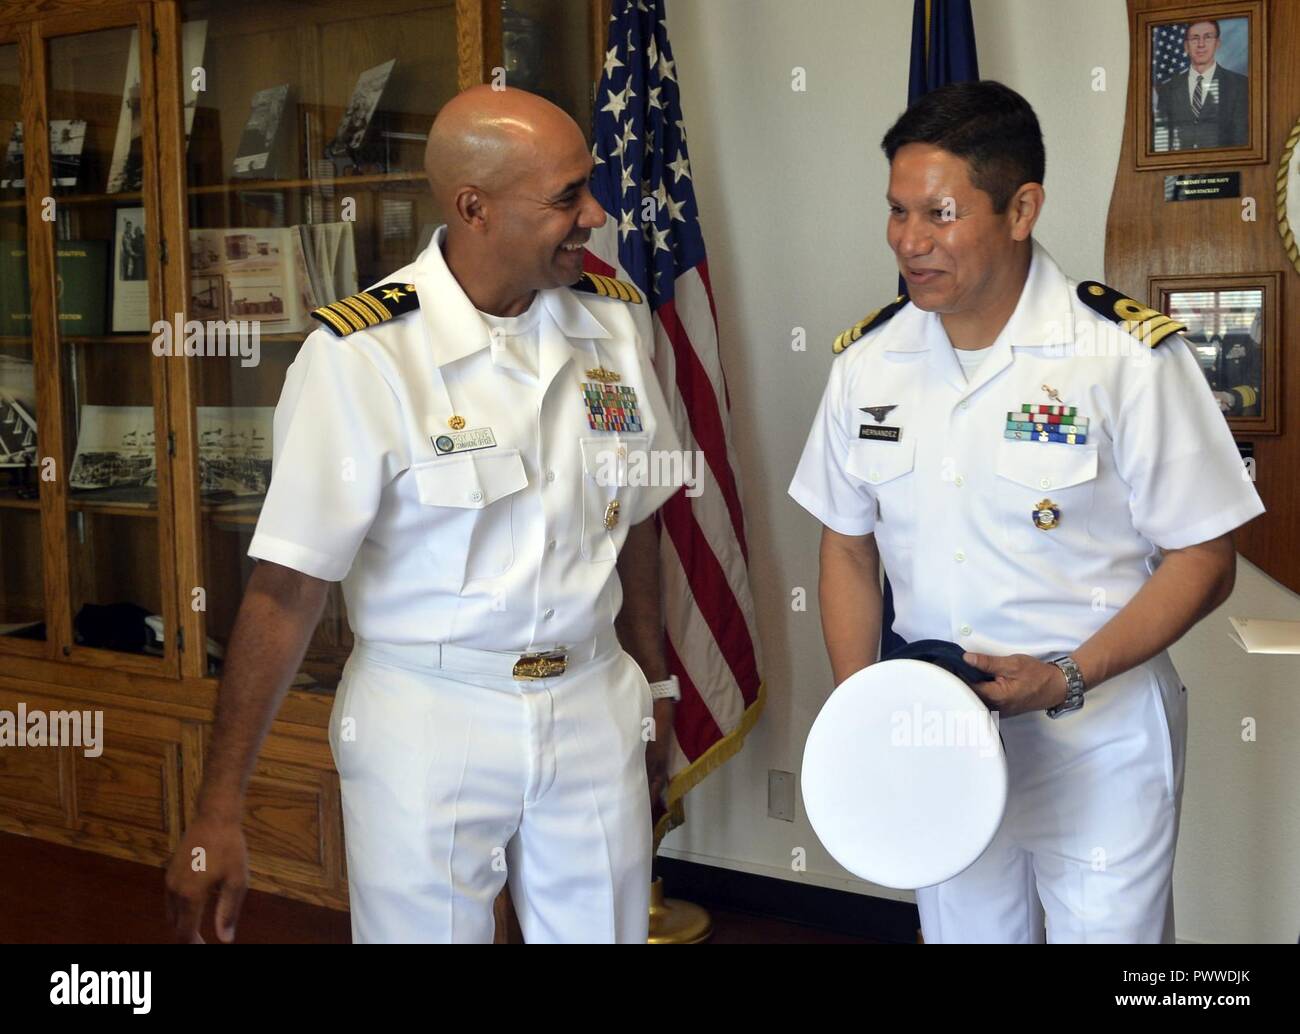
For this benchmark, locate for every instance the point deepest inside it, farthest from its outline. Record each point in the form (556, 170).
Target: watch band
(1074, 687)
(668, 689)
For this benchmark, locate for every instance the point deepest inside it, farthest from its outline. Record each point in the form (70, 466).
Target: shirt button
(1044, 482)
(550, 475)
(964, 404)
(965, 630)
(550, 546)
(959, 481)
(959, 556)
(476, 496)
(548, 613)
(874, 475)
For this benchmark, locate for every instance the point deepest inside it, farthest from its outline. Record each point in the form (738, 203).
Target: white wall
(790, 186)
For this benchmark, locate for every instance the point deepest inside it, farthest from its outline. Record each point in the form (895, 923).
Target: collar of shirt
(455, 328)
(515, 339)
(1208, 75)
(1044, 315)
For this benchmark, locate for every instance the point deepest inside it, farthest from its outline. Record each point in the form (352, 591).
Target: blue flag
(943, 51)
(943, 46)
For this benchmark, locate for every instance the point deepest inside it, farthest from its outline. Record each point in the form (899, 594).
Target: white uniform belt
(535, 663)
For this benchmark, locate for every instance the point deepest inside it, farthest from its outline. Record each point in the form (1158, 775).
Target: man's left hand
(656, 751)
(1022, 683)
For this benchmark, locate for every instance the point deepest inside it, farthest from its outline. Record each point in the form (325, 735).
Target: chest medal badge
(1034, 422)
(610, 406)
(1046, 515)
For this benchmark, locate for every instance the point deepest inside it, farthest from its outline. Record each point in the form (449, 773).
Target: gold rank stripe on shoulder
(367, 309)
(868, 323)
(608, 287)
(1150, 326)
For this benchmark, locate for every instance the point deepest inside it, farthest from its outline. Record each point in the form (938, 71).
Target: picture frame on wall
(1200, 71)
(1235, 329)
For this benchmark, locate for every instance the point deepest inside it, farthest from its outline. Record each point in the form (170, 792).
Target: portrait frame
(1264, 369)
(1288, 173)
(1142, 43)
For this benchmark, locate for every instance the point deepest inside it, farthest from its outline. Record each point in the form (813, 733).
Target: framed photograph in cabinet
(1234, 327)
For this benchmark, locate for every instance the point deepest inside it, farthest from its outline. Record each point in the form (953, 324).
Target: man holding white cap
(456, 446)
(1047, 478)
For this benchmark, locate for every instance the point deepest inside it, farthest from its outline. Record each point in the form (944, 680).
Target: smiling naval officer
(438, 447)
(1022, 452)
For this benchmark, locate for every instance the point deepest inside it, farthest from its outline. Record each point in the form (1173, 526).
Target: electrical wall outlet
(780, 795)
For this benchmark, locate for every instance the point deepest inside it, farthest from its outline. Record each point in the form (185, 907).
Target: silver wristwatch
(1074, 687)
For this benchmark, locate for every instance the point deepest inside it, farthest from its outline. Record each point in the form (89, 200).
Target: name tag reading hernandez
(881, 433)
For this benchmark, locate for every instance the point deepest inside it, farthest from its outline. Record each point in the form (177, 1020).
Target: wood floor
(50, 894)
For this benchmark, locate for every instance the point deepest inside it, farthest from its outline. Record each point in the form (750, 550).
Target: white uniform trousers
(1090, 827)
(451, 781)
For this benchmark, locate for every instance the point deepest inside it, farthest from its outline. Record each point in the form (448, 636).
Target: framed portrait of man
(1201, 74)
(1234, 327)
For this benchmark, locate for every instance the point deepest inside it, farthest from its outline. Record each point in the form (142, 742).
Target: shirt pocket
(469, 502)
(1063, 475)
(610, 468)
(888, 469)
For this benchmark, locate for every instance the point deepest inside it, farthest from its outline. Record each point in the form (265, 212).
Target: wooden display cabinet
(107, 527)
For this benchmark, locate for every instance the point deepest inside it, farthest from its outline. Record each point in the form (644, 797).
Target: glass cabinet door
(111, 383)
(304, 183)
(547, 48)
(22, 589)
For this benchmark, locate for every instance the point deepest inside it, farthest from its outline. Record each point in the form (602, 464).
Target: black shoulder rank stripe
(608, 287)
(868, 323)
(1150, 326)
(368, 309)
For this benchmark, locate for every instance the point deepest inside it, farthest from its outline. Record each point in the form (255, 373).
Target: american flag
(652, 238)
(1168, 58)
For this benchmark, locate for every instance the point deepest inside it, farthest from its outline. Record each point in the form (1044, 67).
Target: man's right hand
(212, 856)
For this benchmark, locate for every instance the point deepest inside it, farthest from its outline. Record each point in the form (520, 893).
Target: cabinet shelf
(77, 199)
(376, 179)
(112, 509)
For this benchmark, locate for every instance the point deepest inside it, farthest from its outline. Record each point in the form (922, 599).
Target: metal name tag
(464, 441)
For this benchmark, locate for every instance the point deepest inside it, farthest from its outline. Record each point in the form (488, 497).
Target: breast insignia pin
(1047, 515)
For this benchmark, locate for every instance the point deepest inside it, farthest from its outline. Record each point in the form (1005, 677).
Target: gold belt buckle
(541, 665)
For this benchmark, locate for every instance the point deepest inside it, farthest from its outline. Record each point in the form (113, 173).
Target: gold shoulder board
(368, 309)
(868, 323)
(1150, 326)
(608, 287)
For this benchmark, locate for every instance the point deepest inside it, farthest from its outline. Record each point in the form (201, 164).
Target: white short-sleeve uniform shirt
(958, 506)
(498, 535)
